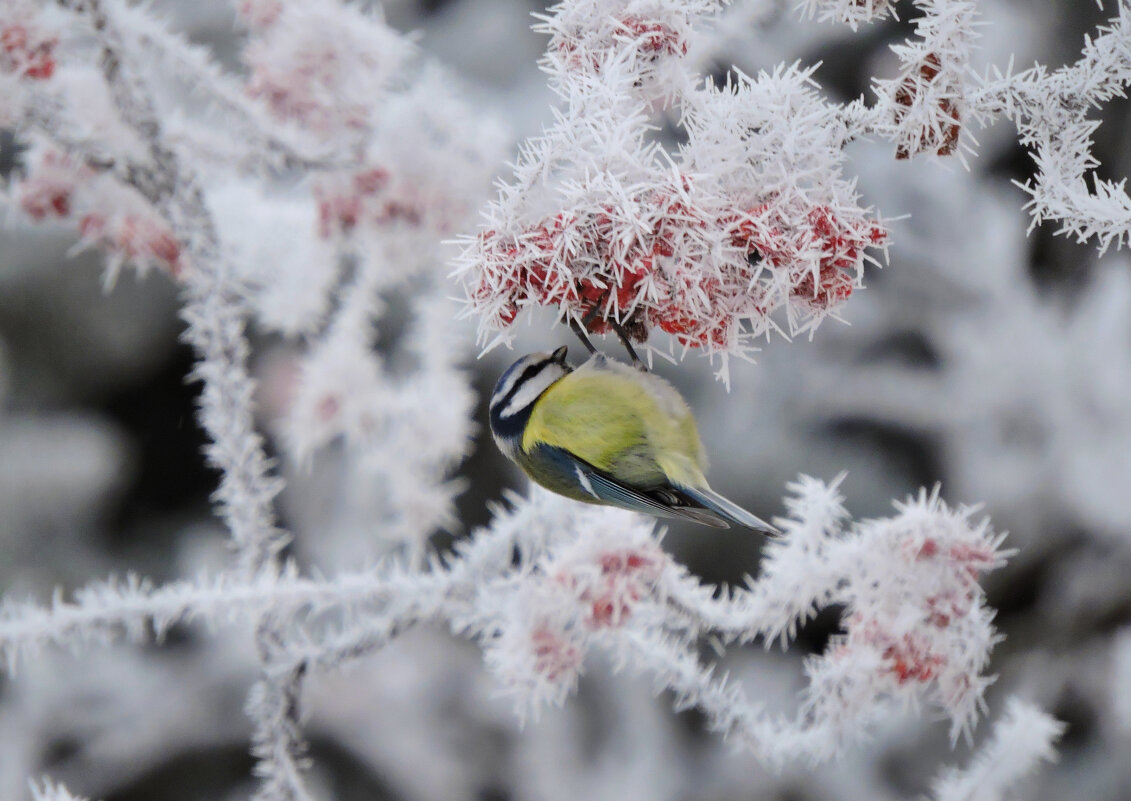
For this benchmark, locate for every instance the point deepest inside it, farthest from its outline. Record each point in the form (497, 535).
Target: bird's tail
(731, 511)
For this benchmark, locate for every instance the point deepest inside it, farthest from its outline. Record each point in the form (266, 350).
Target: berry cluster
(841, 244)
(368, 196)
(910, 659)
(324, 77)
(49, 191)
(910, 656)
(258, 14)
(138, 238)
(584, 588)
(303, 90)
(709, 242)
(920, 639)
(557, 658)
(59, 188)
(622, 578)
(647, 269)
(26, 51)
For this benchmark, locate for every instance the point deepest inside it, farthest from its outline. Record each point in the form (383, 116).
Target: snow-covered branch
(138, 176)
(213, 311)
(915, 624)
(1051, 111)
(1022, 739)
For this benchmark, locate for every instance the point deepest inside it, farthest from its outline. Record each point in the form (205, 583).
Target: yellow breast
(631, 424)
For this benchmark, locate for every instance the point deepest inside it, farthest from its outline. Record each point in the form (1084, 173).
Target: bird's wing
(610, 490)
(728, 509)
(592, 414)
(603, 487)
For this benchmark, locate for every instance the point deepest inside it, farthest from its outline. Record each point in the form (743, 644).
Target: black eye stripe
(526, 375)
(515, 382)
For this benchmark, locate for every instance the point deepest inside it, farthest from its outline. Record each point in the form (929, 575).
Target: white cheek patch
(505, 389)
(530, 390)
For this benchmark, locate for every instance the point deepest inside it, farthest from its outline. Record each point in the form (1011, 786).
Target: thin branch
(260, 142)
(213, 311)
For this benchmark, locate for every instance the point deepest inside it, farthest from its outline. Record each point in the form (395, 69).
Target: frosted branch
(260, 144)
(277, 742)
(1050, 111)
(915, 624)
(137, 611)
(1023, 739)
(213, 313)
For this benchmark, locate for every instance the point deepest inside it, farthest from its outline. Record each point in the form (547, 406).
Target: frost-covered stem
(1077, 87)
(428, 598)
(915, 624)
(441, 592)
(858, 119)
(674, 666)
(247, 489)
(800, 573)
(261, 145)
(768, 609)
(216, 322)
(274, 706)
(1022, 740)
(724, 704)
(214, 315)
(274, 703)
(1050, 113)
(135, 610)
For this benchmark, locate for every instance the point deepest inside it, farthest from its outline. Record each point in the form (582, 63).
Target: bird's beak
(559, 355)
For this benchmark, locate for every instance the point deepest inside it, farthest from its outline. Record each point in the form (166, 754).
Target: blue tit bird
(611, 434)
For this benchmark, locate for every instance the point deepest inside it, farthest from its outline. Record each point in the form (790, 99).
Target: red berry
(368, 182)
(13, 38)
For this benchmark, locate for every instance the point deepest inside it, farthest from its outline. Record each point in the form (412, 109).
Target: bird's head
(517, 390)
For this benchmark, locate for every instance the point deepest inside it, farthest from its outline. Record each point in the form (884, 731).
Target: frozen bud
(538, 652)
(257, 14)
(26, 50)
(50, 186)
(608, 583)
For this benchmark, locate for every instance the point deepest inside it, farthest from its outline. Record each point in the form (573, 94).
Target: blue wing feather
(561, 471)
(728, 509)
